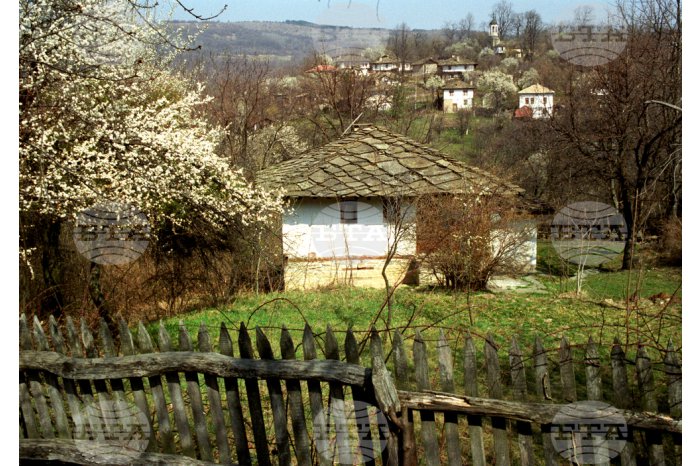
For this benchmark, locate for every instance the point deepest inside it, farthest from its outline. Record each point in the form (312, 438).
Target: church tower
(493, 33)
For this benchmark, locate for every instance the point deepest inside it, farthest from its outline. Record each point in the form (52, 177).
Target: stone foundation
(366, 273)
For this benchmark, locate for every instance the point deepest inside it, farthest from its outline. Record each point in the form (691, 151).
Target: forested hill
(283, 41)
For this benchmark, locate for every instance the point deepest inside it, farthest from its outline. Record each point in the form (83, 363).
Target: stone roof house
(340, 222)
(539, 99)
(455, 66)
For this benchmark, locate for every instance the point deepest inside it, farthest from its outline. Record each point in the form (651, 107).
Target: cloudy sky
(418, 14)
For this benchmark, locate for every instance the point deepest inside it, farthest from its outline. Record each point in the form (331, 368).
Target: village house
(388, 63)
(345, 201)
(457, 96)
(539, 99)
(455, 67)
(425, 68)
(353, 62)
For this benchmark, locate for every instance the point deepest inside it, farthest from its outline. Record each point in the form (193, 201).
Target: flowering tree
(496, 87)
(101, 121)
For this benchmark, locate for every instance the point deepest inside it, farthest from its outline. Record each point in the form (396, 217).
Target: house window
(452, 93)
(348, 212)
(544, 100)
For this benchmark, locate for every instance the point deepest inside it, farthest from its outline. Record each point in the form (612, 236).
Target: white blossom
(100, 119)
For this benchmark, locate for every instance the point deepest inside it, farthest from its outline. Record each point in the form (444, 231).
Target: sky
(417, 14)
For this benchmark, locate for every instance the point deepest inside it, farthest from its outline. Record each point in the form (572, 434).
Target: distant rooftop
(536, 89)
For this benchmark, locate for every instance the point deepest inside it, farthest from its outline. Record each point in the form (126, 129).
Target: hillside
(283, 42)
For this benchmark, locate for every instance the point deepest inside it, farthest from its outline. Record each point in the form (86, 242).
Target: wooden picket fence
(203, 407)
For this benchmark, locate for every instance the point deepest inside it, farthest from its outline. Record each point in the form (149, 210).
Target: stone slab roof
(372, 162)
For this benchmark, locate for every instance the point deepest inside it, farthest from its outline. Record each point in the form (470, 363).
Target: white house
(353, 199)
(455, 67)
(353, 62)
(457, 97)
(387, 63)
(539, 99)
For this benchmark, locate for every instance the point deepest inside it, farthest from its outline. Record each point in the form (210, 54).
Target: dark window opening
(348, 212)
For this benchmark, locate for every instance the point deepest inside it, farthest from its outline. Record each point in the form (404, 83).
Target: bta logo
(589, 432)
(111, 233)
(588, 45)
(350, 432)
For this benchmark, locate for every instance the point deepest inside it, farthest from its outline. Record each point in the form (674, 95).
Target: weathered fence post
(128, 349)
(471, 387)
(544, 390)
(387, 398)
(179, 411)
(192, 381)
(594, 391)
(45, 429)
(645, 378)
(359, 397)
(427, 418)
(454, 452)
(233, 402)
(245, 346)
(517, 374)
(337, 403)
(499, 424)
(408, 436)
(55, 397)
(296, 406)
(672, 368)
(566, 369)
(279, 412)
(621, 397)
(68, 384)
(320, 430)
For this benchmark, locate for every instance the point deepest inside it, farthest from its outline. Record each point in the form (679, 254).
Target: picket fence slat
(145, 345)
(365, 442)
(233, 403)
(136, 383)
(386, 397)
(519, 380)
(195, 396)
(296, 405)
(179, 411)
(320, 430)
(427, 418)
(672, 369)
(454, 451)
(25, 397)
(279, 412)
(69, 387)
(645, 378)
(471, 388)
(337, 405)
(214, 398)
(54, 389)
(566, 371)
(409, 455)
(245, 346)
(499, 425)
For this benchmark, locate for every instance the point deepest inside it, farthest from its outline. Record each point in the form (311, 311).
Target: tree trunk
(52, 271)
(104, 308)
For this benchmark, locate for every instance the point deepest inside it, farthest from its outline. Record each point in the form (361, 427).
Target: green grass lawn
(600, 311)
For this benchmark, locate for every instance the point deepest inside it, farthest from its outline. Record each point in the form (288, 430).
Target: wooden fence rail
(187, 404)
